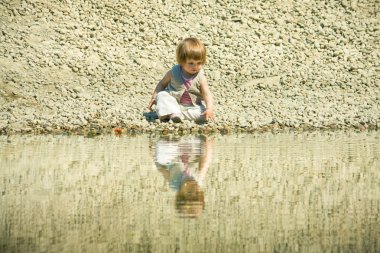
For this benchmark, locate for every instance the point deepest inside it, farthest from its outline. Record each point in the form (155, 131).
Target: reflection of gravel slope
(73, 66)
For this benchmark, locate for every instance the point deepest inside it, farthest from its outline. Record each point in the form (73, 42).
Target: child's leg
(193, 113)
(166, 105)
(166, 152)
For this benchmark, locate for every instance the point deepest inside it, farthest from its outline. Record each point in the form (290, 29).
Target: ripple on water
(290, 192)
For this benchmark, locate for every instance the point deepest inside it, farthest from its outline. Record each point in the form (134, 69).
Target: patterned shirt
(185, 99)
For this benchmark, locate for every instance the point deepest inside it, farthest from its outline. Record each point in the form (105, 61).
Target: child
(184, 162)
(180, 93)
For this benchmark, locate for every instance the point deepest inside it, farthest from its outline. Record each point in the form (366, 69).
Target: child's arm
(206, 158)
(160, 87)
(207, 97)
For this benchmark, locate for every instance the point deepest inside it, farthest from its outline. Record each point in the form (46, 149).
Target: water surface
(290, 192)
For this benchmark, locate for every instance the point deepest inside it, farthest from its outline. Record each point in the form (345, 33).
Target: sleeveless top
(176, 87)
(185, 98)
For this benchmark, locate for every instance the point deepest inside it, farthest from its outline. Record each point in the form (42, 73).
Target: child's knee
(161, 94)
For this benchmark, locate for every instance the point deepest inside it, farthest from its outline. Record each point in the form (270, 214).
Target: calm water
(309, 192)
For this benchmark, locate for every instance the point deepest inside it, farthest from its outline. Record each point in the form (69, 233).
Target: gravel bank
(92, 65)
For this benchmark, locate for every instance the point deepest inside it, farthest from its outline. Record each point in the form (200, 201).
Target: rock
(242, 121)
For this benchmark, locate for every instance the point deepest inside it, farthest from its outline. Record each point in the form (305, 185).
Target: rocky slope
(91, 65)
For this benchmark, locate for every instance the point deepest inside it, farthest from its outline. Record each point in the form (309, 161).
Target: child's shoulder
(175, 71)
(176, 68)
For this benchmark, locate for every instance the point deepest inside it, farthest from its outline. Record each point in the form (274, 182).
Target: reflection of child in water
(184, 163)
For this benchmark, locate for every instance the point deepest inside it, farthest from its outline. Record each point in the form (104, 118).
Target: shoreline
(182, 129)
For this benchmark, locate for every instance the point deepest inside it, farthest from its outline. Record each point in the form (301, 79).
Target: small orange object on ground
(118, 131)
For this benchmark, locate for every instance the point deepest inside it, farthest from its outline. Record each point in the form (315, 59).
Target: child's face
(192, 66)
(190, 199)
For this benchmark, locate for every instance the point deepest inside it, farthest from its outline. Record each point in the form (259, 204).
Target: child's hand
(151, 103)
(208, 114)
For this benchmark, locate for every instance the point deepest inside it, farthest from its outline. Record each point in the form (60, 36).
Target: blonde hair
(191, 48)
(190, 200)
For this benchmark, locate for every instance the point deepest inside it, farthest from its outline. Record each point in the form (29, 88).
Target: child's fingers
(208, 115)
(151, 103)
